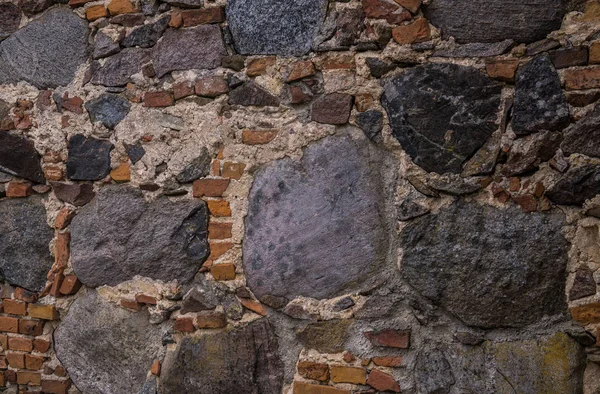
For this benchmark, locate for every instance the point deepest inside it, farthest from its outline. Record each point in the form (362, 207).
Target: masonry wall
(308, 197)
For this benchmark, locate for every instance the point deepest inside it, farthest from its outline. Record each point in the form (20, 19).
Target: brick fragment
(382, 381)
(4, 341)
(21, 344)
(218, 249)
(211, 319)
(210, 187)
(72, 104)
(16, 360)
(389, 338)
(9, 324)
(254, 306)
(176, 20)
(63, 219)
(299, 70)
(78, 3)
(259, 66)
(527, 202)
(233, 170)
(313, 370)
(56, 386)
(41, 345)
(10, 376)
(203, 16)
(34, 363)
(95, 12)
(211, 86)
(219, 230)
(122, 173)
(388, 361)
(219, 208)
(31, 378)
(18, 189)
(62, 250)
(3, 362)
(502, 69)
(155, 370)
(182, 89)
(582, 78)
(258, 137)
(158, 99)
(346, 374)
(595, 53)
(15, 307)
(70, 285)
(415, 32)
(586, 314)
(31, 327)
(145, 299)
(388, 10)
(130, 304)
(118, 7)
(411, 5)
(223, 271)
(42, 311)
(306, 388)
(569, 57)
(184, 324)
(53, 172)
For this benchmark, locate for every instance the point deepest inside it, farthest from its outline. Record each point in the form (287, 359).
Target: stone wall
(308, 196)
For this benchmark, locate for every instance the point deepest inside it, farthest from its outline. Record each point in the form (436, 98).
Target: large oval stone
(496, 20)
(489, 267)
(47, 52)
(316, 227)
(442, 113)
(105, 348)
(24, 242)
(119, 235)
(275, 27)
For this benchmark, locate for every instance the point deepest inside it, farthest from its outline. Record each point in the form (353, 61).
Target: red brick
(259, 137)
(19, 189)
(582, 78)
(31, 327)
(232, 170)
(60, 371)
(417, 31)
(158, 99)
(259, 66)
(219, 230)
(3, 363)
(306, 388)
(382, 381)
(31, 378)
(301, 69)
(70, 285)
(223, 271)
(130, 304)
(184, 324)
(16, 360)
(209, 187)
(4, 341)
(9, 324)
(219, 208)
(155, 370)
(62, 249)
(57, 279)
(145, 299)
(218, 249)
(211, 319)
(10, 376)
(21, 344)
(78, 3)
(183, 89)
(345, 374)
(211, 86)
(254, 306)
(34, 363)
(203, 16)
(382, 9)
(56, 386)
(41, 345)
(15, 307)
(63, 219)
(502, 69)
(43, 311)
(314, 371)
(389, 338)
(25, 295)
(388, 361)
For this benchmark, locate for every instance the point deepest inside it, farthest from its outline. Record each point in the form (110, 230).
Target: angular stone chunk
(223, 362)
(19, 157)
(198, 168)
(89, 158)
(496, 20)
(489, 267)
(584, 136)
(539, 100)
(110, 109)
(183, 49)
(47, 52)
(332, 108)
(442, 113)
(146, 36)
(118, 69)
(250, 93)
(120, 235)
(105, 348)
(315, 227)
(24, 243)
(10, 17)
(275, 27)
(77, 194)
(576, 186)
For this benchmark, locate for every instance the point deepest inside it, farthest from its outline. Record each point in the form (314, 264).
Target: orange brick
(34, 363)
(232, 170)
(16, 360)
(219, 208)
(57, 279)
(41, 345)
(31, 378)
(254, 306)
(258, 137)
(210, 187)
(155, 370)
(306, 388)
(25, 295)
(19, 189)
(122, 173)
(388, 361)
(417, 31)
(586, 314)
(502, 69)
(219, 230)
(62, 250)
(95, 12)
(223, 271)
(345, 374)
(184, 324)
(382, 381)
(314, 371)
(301, 69)
(218, 249)
(9, 324)
(70, 285)
(15, 307)
(211, 319)
(41, 311)
(203, 16)
(63, 219)
(31, 327)
(176, 19)
(582, 78)
(117, 7)
(22, 344)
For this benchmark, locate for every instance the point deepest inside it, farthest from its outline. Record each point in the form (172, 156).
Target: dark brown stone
(583, 284)
(332, 109)
(77, 194)
(569, 57)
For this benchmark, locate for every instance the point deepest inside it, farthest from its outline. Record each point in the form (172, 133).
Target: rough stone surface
(46, 52)
(181, 49)
(146, 36)
(539, 100)
(89, 158)
(110, 109)
(433, 372)
(110, 238)
(10, 17)
(497, 20)
(326, 336)
(576, 185)
(104, 46)
(77, 194)
(24, 243)
(514, 262)
(442, 113)
(118, 69)
(251, 93)
(226, 361)
(371, 122)
(583, 284)
(529, 152)
(476, 49)
(106, 349)
(583, 137)
(275, 27)
(332, 109)
(293, 224)
(198, 168)
(19, 157)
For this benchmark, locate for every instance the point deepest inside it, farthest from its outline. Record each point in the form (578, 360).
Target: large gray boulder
(496, 20)
(489, 267)
(442, 113)
(243, 359)
(106, 349)
(275, 27)
(24, 242)
(316, 227)
(47, 52)
(119, 235)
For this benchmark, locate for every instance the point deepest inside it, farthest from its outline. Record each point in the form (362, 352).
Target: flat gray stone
(243, 359)
(24, 243)
(478, 262)
(496, 20)
(105, 348)
(275, 27)
(118, 69)
(191, 48)
(442, 113)
(46, 52)
(104, 46)
(120, 235)
(315, 227)
(108, 108)
(540, 103)
(19, 157)
(584, 136)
